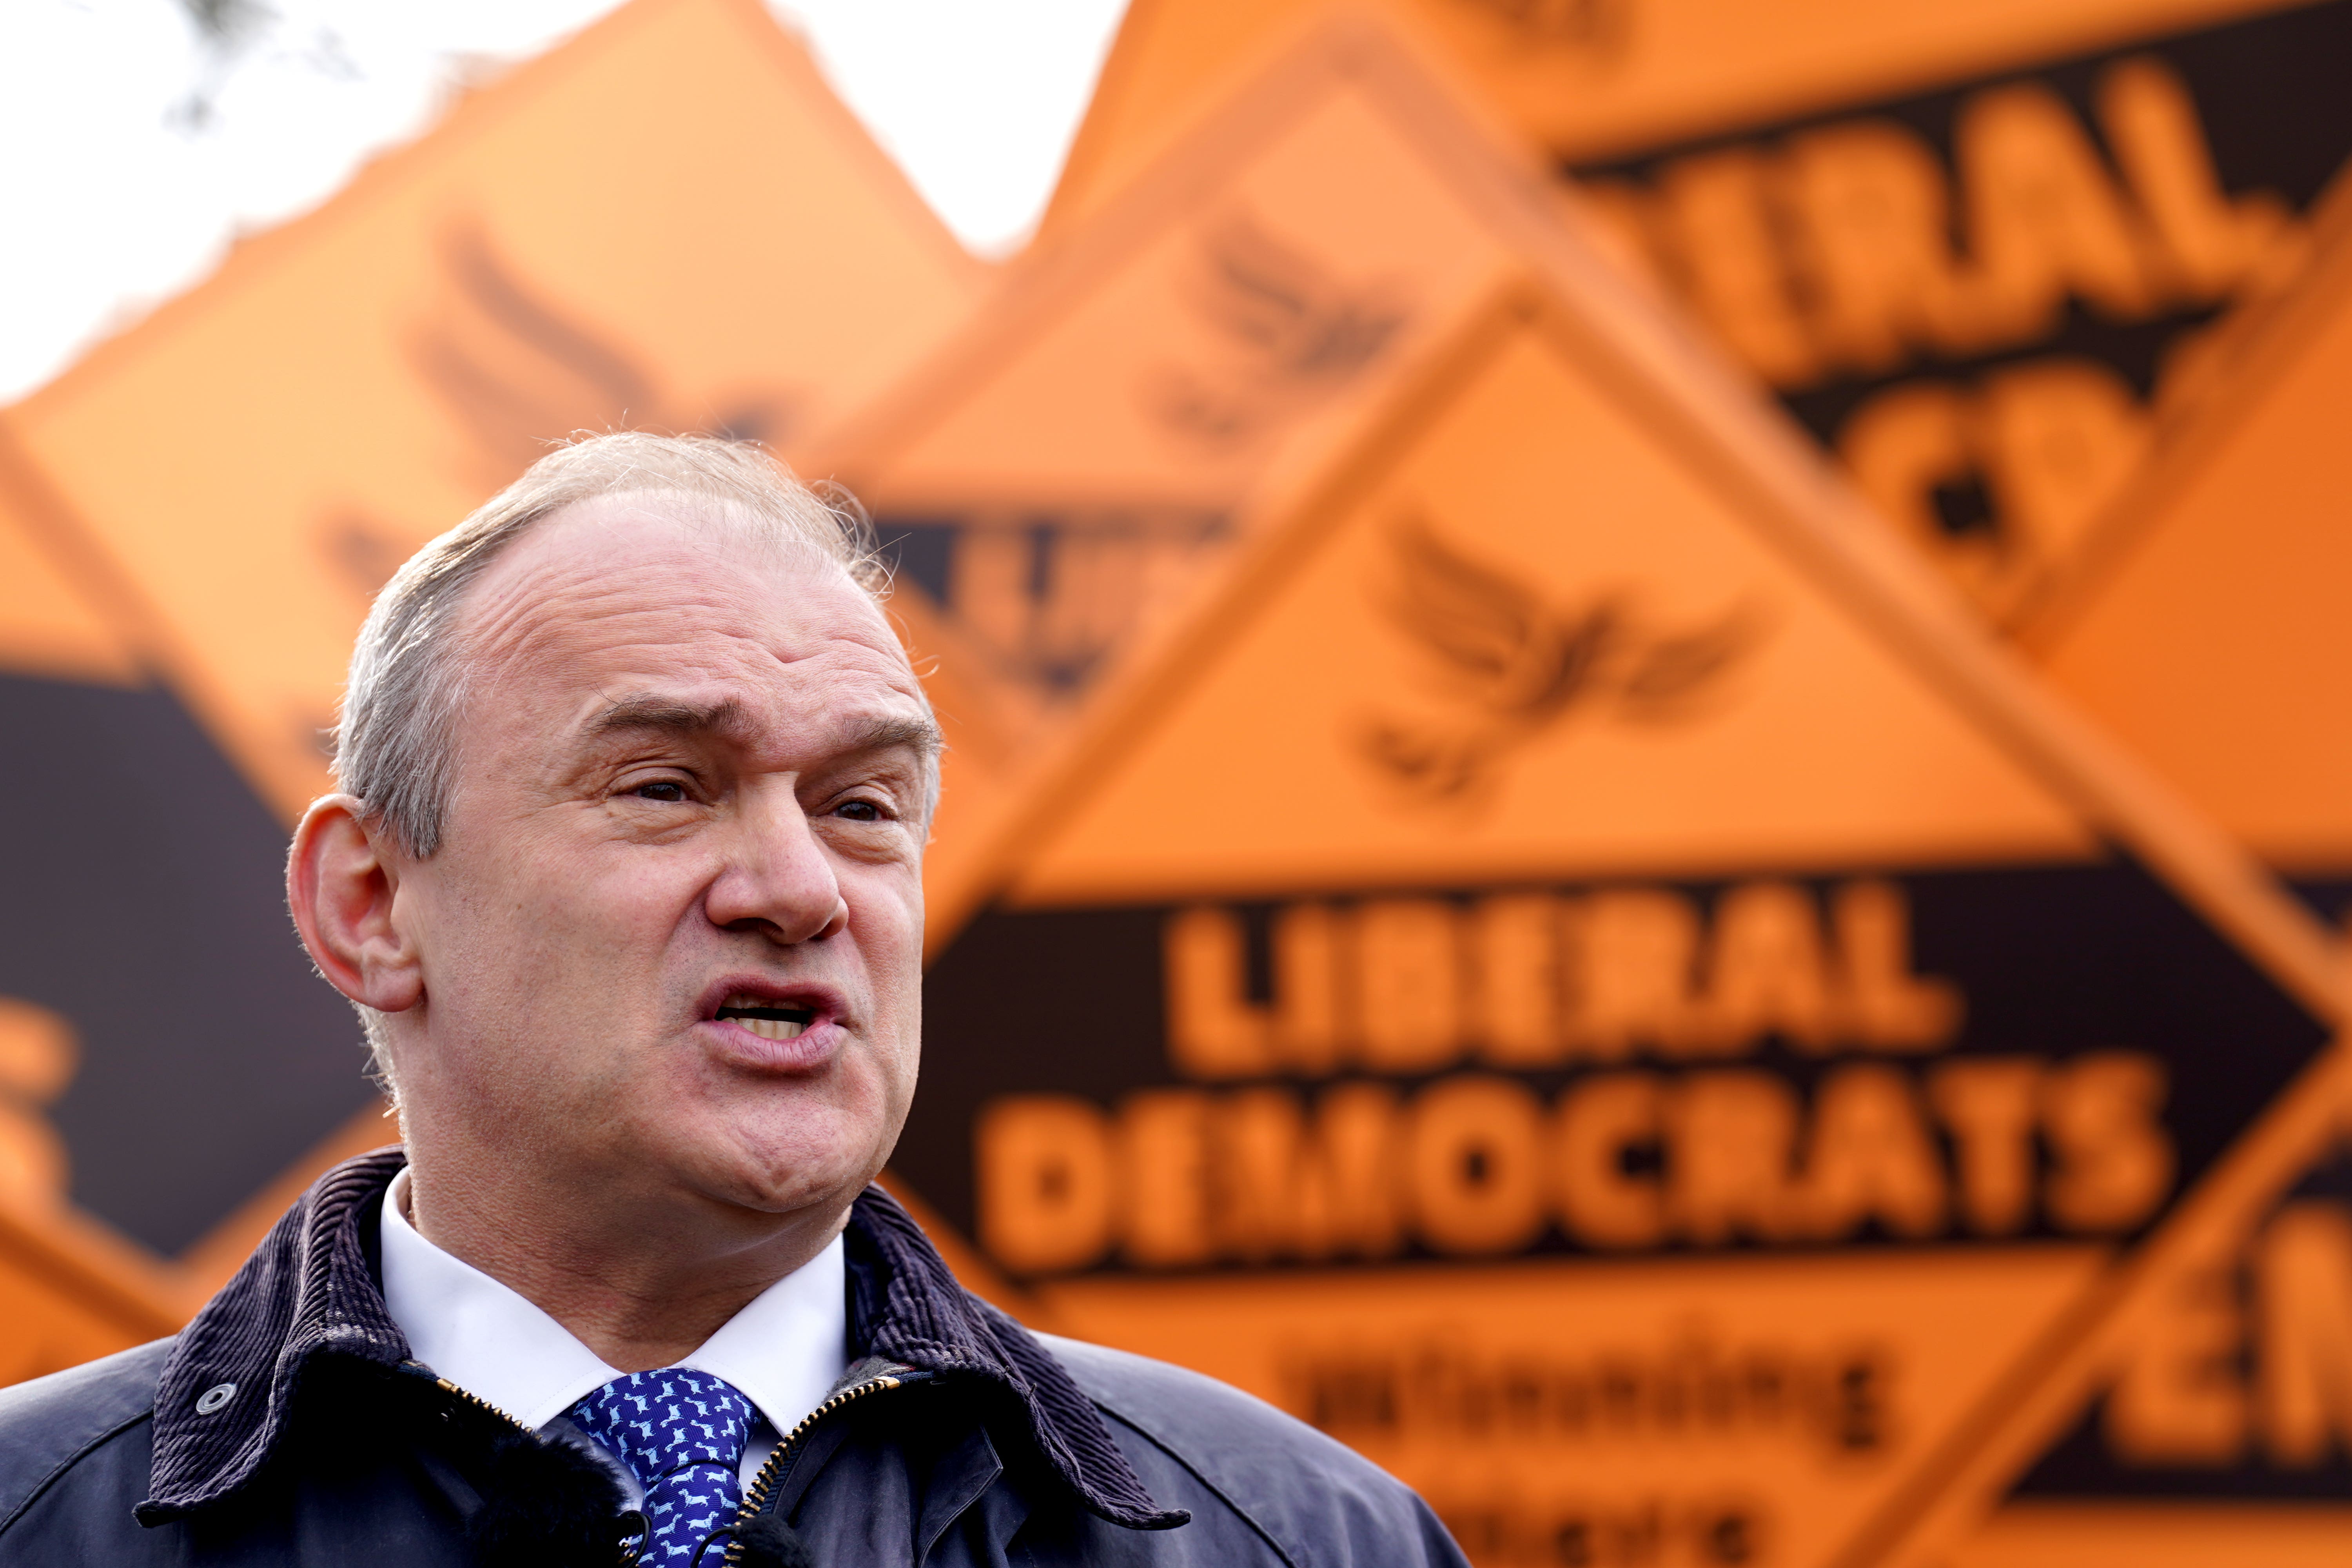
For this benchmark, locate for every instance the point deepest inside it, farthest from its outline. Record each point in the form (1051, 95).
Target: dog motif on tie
(689, 1468)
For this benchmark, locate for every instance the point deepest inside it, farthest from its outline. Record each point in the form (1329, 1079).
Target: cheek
(888, 918)
(634, 899)
(568, 933)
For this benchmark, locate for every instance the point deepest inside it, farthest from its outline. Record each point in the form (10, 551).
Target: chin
(778, 1147)
(776, 1171)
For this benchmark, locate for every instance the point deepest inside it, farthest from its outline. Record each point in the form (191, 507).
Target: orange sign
(1599, 79)
(1058, 478)
(68, 1291)
(47, 626)
(2212, 1384)
(2199, 624)
(2204, 624)
(1971, 247)
(1582, 974)
(666, 222)
(150, 1007)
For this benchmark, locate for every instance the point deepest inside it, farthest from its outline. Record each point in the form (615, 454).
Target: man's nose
(777, 879)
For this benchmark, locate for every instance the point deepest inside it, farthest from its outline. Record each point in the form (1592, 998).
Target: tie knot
(658, 1422)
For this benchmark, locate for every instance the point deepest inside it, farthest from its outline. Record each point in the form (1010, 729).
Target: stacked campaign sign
(72, 688)
(2141, 486)
(618, 232)
(1582, 974)
(1974, 249)
(667, 222)
(1057, 479)
(1059, 476)
(2202, 625)
(1187, 1112)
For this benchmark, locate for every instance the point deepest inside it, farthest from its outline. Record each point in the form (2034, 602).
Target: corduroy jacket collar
(309, 1291)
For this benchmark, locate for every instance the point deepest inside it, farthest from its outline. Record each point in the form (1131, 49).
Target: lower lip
(809, 1049)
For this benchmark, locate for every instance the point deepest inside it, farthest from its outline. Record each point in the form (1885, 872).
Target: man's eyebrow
(918, 733)
(646, 711)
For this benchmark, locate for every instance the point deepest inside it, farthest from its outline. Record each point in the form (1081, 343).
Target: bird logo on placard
(1284, 332)
(516, 370)
(1597, 27)
(1522, 666)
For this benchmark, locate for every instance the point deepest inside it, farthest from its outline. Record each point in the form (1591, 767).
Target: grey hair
(395, 738)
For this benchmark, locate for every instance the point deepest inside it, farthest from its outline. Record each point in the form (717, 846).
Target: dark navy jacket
(956, 1437)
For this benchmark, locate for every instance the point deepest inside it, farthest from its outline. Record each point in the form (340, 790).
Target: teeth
(767, 1017)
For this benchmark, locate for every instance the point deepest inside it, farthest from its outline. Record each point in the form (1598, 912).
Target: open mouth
(768, 1020)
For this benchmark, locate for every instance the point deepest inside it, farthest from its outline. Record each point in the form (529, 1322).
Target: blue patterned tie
(682, 1433)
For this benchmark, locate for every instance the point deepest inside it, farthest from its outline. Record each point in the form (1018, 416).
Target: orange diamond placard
(1973, 249)
(668, 221)
(1580, 971)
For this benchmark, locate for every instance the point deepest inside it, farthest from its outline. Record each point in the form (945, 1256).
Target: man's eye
(859, 810)
(660, 789)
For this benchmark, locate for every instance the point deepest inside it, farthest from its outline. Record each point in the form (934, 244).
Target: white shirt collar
(785, 1350)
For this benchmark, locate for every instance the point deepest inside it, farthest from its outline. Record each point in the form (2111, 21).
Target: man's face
(672, 938)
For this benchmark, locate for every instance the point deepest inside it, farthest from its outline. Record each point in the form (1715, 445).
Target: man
(625, 882)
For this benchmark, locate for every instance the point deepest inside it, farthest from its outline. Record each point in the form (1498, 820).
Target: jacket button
(213, 1398)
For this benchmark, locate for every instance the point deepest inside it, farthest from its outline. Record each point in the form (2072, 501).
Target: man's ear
(341, 888)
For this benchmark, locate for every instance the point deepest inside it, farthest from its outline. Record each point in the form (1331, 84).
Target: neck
(640, 1283)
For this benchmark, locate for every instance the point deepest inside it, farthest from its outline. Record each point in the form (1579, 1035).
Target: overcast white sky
(134, 147)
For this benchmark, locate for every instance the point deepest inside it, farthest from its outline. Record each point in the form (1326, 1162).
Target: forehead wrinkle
(546, 610)
(551, 609)
(710, 635)
(653, 521)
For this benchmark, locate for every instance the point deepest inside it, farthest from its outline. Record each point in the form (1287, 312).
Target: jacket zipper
(478, 1403)
(779, 1460)
(625, 1557)
(773, 1471)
